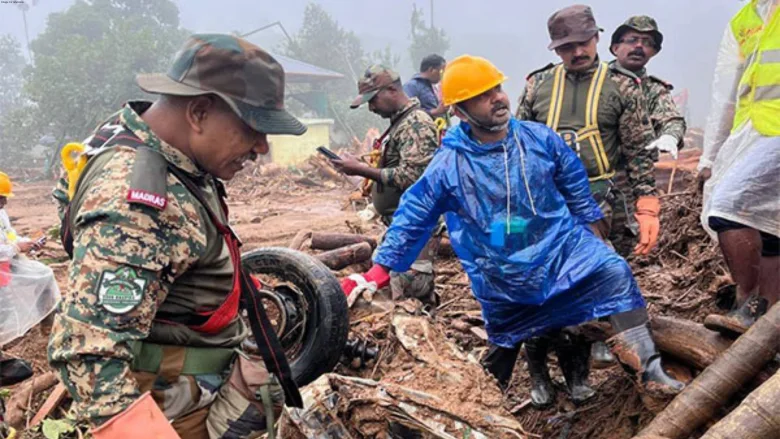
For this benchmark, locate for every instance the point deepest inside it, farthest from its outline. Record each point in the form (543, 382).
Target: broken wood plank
(346, 256)
(479, 332)
(331, 241)
(52, 402)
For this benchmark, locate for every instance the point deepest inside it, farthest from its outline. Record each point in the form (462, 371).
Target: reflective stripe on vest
(590, 132)
(758, 93)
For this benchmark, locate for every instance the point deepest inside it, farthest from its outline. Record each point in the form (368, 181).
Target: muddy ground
(684, 277)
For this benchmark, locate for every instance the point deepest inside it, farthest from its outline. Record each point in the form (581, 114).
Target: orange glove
(647, 209)
(142, 414)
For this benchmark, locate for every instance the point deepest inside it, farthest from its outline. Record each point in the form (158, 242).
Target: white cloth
(32, 292)
(7, 248)
(748, 182)
(665, 143)
(29, 297)
(744, 182)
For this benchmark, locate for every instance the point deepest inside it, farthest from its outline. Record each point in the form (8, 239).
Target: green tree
(425, 39)
(16, 113)
(323, 42)
(11, 65)
(86, 61)
(386, 57)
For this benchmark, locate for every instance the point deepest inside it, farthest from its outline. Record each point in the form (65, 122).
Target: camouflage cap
(375, 79)
(639, 23)
(249, 80)
(573, 24)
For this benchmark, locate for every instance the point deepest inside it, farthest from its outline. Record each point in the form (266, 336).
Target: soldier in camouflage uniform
(601, 112)
(406, 148)
(634, 43)
(151, 302)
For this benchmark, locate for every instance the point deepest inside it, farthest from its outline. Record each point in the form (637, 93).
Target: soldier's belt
(148, 357)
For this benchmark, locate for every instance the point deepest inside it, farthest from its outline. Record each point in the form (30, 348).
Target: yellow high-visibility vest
(589, 133)
(758, 94)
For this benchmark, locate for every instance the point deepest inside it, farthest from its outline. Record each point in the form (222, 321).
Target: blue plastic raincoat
(551, 271)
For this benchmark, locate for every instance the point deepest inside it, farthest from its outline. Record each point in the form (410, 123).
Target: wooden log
(17, 405)
(688, 341)
(712, 389)
(758, 417)
(331, 241)
(299, 239)
(346, 256)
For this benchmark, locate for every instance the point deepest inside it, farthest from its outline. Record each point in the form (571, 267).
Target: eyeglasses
(645, 41)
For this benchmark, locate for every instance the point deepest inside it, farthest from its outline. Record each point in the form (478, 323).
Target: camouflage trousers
(241, 402)
(619, 227)
(418, 282)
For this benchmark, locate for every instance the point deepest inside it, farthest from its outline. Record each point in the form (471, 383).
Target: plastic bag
(744, 184)
(29, 296)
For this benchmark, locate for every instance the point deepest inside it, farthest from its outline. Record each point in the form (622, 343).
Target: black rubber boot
(500, 362)
(542, 390)
(635, 349)
(601, 355)
(737, 322)
(13, 370)
(574, 359)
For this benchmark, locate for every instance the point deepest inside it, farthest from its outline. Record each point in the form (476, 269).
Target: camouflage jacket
(663, 111)
(129, 262)
(409, 147)
(623, 120)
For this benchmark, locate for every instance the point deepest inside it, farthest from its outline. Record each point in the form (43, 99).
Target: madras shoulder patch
(120, 291)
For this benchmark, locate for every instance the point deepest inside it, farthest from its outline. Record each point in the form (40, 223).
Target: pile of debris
(420, 385)
(686, 275)
(415, 369)
(263, 178)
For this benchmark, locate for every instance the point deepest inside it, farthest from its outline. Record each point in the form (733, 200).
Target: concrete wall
(292, 150)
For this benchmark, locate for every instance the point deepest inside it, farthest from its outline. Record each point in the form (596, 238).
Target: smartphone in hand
(328, 153)
(39, 242)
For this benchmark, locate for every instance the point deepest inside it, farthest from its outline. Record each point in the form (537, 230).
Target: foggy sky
(511, 33)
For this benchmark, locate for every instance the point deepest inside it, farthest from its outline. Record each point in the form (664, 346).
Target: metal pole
(26, 33)
(276, 23)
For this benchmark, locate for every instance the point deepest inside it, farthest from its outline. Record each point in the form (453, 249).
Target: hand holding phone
(328, 153)
(40, 242)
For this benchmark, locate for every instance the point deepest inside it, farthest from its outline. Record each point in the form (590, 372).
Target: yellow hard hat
(5, 185)
(468, 76)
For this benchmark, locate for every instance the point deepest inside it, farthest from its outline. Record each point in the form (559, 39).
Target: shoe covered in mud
(737, 322)
(13, 370)
(574, 359)
(542, 390)
(635, 349)
(601, 355)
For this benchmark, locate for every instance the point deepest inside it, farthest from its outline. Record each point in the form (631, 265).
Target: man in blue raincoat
(518, 209)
